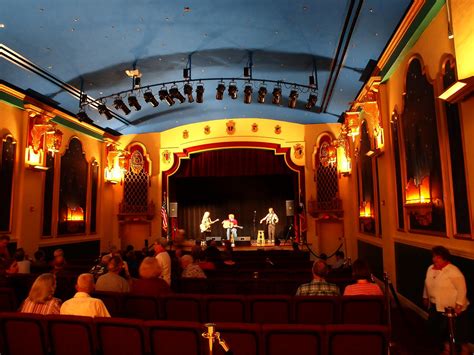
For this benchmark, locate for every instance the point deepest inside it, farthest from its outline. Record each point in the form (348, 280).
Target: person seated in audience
(212, 253)
(364, 285)
(191, 269)
(59, 261)
(163, 258)
(132, 263)
(40, 300)
(101, 268)
(324, 258)
(24, 264)
(200, 258)
(82, 304)
(4, 241)
(339, 264)
(228, 254)
(112, 281)
(11, 266)
(150, 282)
(39, 263)
(318, 286)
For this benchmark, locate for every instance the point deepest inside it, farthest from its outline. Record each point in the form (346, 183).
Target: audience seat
(242, 339)
(269, 309)
(141, 307)
(284, 339)
(24, 333)
(345, 339)
(316, 310)
(193, 285)
(225, 308)
(113, 301)
(71, 335)
(182, 307)
(118, 336)
(174, 337)
(7, 300)
(363, 309)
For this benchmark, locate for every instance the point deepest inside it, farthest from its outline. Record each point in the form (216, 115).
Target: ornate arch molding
(276, 148)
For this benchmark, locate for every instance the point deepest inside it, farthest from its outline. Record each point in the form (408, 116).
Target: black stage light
(292, 99)
(83, 117)
(120, 105)
(187, 73)
(248, 94)
(103, 110)
(150, 99)
(311, 80)
(188, 91)
(220, 91)
(233, 90)
(133, 102)
(262, 92)
(199, 93)
(312, 99)
(276, 95)
(136, 82)
(247, 72)
(164, 96)
(175, 94)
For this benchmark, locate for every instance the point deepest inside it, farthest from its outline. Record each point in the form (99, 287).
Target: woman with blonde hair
(150, 282)
(40, 300)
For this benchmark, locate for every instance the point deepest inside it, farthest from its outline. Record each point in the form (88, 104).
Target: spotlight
(120, 105)
(133, 102)
(187, 73)
(276, 95)
(136, 82)
(248, 94)
(247, 72)
(188, 91)
(220, 91)
(313, 97)
(83, 117)
(103, 110)
(164, 96)
(233, 90)
(175, 94)
(150, 99)
(311, 80)
(292, 99)
(200, 93)
(262, 92)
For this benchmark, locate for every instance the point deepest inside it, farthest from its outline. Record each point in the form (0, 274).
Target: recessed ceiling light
(2, 25)
(187, 9)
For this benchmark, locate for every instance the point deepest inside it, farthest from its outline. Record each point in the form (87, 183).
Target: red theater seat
(284, 339)
(141, 307)
(113, 301)
(24, 333)
(175, 338)
(7, 300)
(225, 308)
(71, 335)
(362, 310)
(269, 309)
(118, 336)
(242, 339)
(316, 310)
(354, 339)
(185, 307)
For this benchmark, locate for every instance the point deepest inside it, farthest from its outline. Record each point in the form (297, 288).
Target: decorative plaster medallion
(324, 154)
(298, 151)
(230, 127)
(137, 162)
(277, 129)
(207, 129)
(166, 156)
(185, 134)
(254, 127)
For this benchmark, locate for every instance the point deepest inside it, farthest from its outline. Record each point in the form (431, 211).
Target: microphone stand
(254, 225)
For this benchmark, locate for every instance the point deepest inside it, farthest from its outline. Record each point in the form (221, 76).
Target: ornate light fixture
(352, 123)
(344, 165)
(53, 139)
(114, 170)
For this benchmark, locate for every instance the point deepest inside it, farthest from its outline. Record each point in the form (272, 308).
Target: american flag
(164, 215)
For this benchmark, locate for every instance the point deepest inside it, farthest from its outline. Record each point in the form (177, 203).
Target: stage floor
(254, 246)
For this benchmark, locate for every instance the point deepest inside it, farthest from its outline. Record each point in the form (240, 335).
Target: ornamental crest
(166, 156)
(254, 127)
(230, 127)
(298, 151)
(136, 162)
(277, 129)
(207, 129)
(185, 134)
(324, 154)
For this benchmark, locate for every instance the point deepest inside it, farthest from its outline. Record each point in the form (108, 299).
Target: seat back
(118, 336)
(316, 310)
(225, 308)
(242, 339)
(269, 309)
(362, 310)
(184, 307)
(141, 307)
(369, 339)
(71, 335)
(193, 285)
(174, 337)
(113, 301)
(7, 300)
(24, 333)
(283, 339)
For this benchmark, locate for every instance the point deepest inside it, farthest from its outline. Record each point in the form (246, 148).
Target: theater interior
(122, 122)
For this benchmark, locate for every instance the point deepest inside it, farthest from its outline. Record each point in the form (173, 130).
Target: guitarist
(205, 225)
(231, 225)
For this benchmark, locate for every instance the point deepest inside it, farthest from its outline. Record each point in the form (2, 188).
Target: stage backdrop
(244, 182)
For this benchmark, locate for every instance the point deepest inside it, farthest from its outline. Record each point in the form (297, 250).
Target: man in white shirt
(82, 304)
(163, 258)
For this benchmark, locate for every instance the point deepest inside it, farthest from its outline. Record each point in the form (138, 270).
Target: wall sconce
(332, 155)
(53, 140)
(34, 154)
(378, 136)
(352, 123)
(113, 173)
(459, 91)
(418, 200)
(344, 164)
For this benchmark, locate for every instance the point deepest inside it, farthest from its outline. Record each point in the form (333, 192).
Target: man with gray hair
(82, 304)
(112, 281)
(318, 286)
(163, 259)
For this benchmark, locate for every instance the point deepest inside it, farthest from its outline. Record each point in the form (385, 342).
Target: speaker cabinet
(290, 207)
(174, 209)
(243, 241)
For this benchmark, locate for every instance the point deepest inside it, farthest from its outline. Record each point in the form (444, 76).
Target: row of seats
(251, 309)
(71, 335)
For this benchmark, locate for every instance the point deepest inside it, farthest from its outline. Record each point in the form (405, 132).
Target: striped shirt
(49, 307)
(363, 288)
(318, 288)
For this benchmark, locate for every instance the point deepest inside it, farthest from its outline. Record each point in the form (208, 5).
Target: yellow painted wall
(463, 28)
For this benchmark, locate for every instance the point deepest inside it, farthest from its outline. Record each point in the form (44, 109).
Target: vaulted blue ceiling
(92, 43)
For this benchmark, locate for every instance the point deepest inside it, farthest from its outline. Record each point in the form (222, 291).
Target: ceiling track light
(248, 90)
(165, 96)
(104, 111)
(150, 99)
(188, 91)
(220, 90)
(232, 91)
(83, 117)
(276, 100)
(175, 94)
(120, 105)
(262, 92)
(200, 93)
(312, 99)
(133, 102)
(293, 98)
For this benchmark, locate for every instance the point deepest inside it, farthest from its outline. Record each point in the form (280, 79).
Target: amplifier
(218, 240)
(243, 241)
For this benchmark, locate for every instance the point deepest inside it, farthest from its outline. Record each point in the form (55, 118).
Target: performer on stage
(205, 225)
(270, 219)
(231, 225)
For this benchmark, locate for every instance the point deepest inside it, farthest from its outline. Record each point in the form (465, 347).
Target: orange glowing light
(420, 194)
(75, 214)
(365, 210)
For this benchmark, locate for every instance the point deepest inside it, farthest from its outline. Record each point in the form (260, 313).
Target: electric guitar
(206, 225)
(228, 224)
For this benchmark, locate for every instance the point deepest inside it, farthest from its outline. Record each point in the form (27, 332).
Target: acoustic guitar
(228, 224)
(206, 225)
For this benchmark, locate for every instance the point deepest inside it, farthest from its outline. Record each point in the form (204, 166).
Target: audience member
(40, 300)
(200, 258)
(318, 286)
(150, 283)
(163, 259)
(324, 258)
(39, 263)
(4, 241)
(101, 268)
(24, 264)
(212, 253)
(445, 286)
(112, 281)
(191, 269)
(363, 285)
(82, 304)
(339, 260)
(59, 261)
